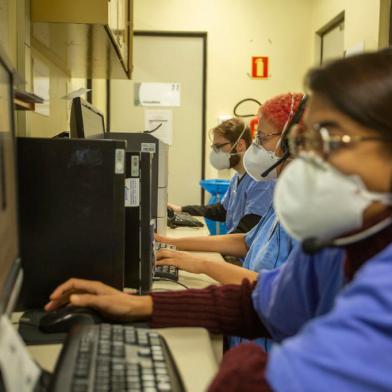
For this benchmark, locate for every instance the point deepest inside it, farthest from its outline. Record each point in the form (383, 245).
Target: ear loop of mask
(236, 142)
(284, 130)
(296, 117)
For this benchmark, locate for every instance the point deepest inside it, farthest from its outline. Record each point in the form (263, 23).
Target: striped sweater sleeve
(224, 309)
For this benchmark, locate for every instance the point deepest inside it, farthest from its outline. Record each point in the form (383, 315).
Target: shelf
(26, 101)
(86, 39)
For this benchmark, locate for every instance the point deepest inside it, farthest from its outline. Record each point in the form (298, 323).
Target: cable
(155, 129)
(241, 102)
(169, 280)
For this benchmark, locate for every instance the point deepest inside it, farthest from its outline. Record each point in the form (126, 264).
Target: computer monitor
(10, 270)
(86, 120)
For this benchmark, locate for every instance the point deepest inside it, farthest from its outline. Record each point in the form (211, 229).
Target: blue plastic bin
(217, 188)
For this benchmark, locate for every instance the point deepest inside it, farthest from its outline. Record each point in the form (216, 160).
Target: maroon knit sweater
(228, 310)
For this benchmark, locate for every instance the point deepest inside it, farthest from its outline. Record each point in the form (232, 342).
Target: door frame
(187, 34)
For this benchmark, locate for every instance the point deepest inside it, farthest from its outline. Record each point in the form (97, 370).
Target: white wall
(238, 30)
(364, 22)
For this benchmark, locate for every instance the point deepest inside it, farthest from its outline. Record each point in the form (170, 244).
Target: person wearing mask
(266, 245)
(330, 309)
(246, 200)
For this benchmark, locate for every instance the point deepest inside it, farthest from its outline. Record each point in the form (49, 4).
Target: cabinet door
(123, 28)
(113, 18)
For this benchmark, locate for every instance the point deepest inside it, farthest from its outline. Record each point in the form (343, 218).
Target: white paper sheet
(158, 94)
(41, 85)
(153, 118)
(20, 373)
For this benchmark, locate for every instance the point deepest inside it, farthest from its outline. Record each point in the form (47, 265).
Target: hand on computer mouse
(182, 260)
(110, 302)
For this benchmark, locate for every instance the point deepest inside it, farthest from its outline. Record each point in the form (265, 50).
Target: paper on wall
(157, 94)
(41, 85)
(162, 119)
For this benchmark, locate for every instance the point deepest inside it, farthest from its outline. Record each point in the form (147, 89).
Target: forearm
(227, 273)
(214, 212)
(220, 309)
(228, 244)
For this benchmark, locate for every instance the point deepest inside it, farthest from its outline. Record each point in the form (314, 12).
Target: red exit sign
(259, 67)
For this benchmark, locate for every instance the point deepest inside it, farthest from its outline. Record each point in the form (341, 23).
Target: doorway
(168, 57)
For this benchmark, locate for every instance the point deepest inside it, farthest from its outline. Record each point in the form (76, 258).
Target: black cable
(153, 130)
(241, 102)
(155, 279)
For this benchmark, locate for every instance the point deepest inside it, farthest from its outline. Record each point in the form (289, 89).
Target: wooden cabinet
(89, 38)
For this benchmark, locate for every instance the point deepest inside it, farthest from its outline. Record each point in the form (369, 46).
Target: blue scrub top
(269, 247)
(245, 197)
(333, 336)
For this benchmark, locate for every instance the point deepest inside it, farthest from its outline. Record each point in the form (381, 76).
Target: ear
(241, 146)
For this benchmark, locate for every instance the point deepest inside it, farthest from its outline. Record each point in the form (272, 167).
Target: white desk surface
(195, 352)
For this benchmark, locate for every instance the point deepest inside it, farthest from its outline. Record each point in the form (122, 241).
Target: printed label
(132, 192)
(119, 161)
(148, 147)
(134, 166)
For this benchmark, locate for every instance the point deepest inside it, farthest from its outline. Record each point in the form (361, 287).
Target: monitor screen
(9, 253)
(86, 120)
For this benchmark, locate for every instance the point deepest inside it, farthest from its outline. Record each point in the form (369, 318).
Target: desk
(195, 352)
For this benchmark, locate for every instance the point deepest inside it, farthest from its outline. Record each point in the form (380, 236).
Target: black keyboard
(165, 271)
(115, 357)
(175, 219)
(164, 245)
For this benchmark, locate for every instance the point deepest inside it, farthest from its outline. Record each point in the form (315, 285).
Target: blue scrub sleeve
(258, 197)
(348, 349)
(303, 287)
(226, 198)
(250, 235)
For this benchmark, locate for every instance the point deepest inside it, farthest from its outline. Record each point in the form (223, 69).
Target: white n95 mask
(257, 160)
(220, 160)
(312, 199)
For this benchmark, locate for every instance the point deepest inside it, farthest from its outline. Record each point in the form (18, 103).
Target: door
(169, 58)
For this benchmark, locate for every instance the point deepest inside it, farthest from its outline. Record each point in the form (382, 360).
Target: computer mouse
(63, 319)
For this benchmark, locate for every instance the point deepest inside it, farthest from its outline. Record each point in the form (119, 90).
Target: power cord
(169, 280)
(155, 129)
(240, 103)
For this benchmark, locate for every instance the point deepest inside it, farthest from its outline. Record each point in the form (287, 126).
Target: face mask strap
(384, 198)
(236, 142)
(284, 130)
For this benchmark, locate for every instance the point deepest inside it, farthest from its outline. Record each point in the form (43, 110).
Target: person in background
(246, 200)
(330, 309)
(267, 245)
(260, 247)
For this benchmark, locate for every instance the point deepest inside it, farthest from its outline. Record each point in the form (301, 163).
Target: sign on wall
(259, 67)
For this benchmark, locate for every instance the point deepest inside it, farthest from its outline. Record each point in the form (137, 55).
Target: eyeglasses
(261, 137)
(321, 140)
(217, 146)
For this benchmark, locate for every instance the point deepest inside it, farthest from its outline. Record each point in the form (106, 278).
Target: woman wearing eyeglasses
(246, 201)
(267, 245)
(331, 315)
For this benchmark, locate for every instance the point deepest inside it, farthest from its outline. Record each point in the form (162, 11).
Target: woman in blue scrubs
(267, 245)
(246, 200)
(330, 310)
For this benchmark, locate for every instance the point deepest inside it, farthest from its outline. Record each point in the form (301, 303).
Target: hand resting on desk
(110, 302)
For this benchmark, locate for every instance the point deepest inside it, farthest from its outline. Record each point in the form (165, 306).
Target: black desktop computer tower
(145, 142)
(72, 218)
(139, 224)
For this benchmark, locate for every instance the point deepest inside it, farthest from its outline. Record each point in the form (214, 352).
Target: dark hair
(360, 87)
(232, 129)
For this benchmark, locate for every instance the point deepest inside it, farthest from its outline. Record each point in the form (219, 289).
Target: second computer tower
(139, 223)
